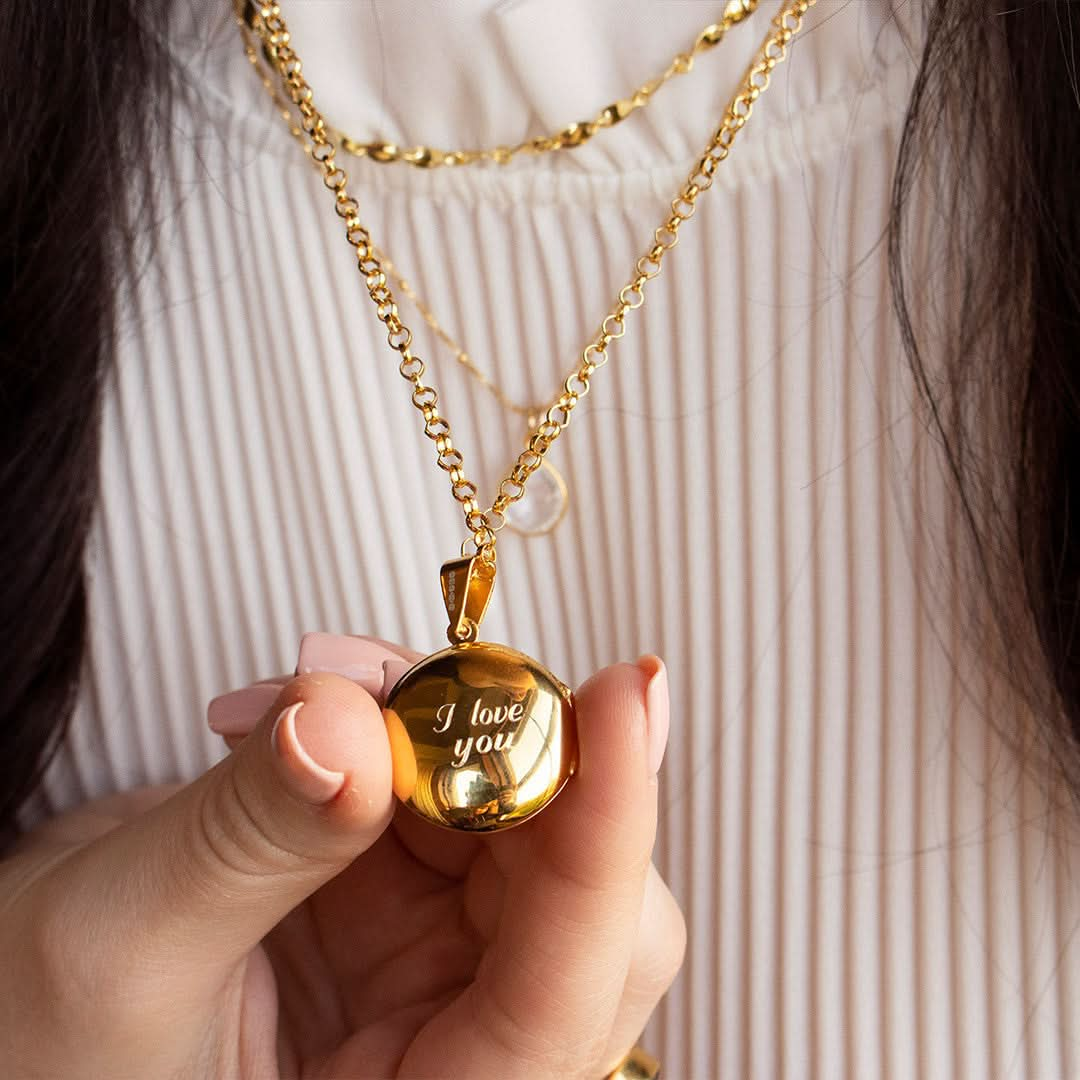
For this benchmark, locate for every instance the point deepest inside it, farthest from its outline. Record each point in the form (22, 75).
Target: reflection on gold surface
(402, 757)
(490, 733)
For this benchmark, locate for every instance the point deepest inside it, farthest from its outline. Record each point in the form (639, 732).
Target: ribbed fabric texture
(872, 883)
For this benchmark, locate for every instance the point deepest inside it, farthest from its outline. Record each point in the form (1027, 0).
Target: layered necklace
(483, 736)
(547, 500)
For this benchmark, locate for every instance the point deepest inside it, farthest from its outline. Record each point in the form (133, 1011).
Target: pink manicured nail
(310, 780)
(355, 658)
(392, 671)
(657, 710)
(238, 712)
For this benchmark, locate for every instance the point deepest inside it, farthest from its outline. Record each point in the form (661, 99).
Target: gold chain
(483, 525)
(567, 138)
(463, 358)
(529, 412)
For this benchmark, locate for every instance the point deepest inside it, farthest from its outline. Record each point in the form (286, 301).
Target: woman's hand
(278, 918)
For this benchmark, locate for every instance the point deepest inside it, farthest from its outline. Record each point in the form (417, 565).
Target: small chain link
(484, 524)
(567, 138)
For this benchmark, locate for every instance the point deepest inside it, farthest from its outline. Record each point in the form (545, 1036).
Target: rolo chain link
(483, 525)
(567, 138)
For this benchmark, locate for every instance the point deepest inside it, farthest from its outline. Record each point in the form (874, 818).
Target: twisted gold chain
(483, 525)
(567, 138)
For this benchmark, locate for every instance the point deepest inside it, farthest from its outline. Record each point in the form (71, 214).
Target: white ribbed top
(871, 884)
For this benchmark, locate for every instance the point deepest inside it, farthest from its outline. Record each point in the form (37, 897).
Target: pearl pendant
(543, 505)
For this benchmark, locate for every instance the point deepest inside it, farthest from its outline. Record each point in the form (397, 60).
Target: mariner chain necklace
(568, 137)
(482, 736)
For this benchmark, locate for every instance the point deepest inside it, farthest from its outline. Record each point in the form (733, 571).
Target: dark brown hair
(991, 144)
(84, 86)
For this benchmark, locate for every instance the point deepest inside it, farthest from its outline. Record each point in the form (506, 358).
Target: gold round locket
(482, 736)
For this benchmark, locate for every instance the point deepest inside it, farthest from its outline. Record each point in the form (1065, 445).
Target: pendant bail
(466, 587)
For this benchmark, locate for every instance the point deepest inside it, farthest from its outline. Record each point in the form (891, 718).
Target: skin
(237, 928)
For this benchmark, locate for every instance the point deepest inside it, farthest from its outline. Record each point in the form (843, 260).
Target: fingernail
(238, 712)
(392, 672)
(354, 658)
(657, 710)
(310, 780)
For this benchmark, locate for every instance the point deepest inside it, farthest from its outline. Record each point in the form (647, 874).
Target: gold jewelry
(548, 506)
(567, 138)
(637, 1065)
(545, 510)
(482, 736)
(460, 354)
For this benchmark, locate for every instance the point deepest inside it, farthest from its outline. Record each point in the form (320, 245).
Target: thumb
(195, 883)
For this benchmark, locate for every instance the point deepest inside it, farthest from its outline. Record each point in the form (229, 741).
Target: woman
(755, 493)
